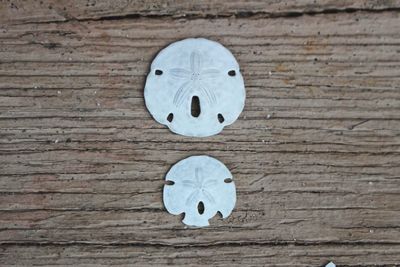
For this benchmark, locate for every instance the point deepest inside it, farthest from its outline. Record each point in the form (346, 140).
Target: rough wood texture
(64, 10)
(315, 155)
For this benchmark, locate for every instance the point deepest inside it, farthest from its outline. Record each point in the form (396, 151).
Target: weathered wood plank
(20, 11)
(221, 255)
(315, 155)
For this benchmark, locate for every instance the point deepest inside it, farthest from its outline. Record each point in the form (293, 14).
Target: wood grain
(22, 11)
(315, 155)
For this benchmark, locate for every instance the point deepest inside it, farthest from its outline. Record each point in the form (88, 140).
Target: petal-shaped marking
(199, 177)
(180, 73)
(189, 183)
(184, 95)
(206, 94)
(210, 73)
(209, 91)
(195, 62)
(213, 97)
(211, 182)
(184, 87)
(192, 197)
(209, 94)
(209, 196)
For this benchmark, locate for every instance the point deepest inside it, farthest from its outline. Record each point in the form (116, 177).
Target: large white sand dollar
(191, 71)
(199, 180)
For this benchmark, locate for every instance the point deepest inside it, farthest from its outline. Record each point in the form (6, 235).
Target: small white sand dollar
(195, 87)
(199, 187)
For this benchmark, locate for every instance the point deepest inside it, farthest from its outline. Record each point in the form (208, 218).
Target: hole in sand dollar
(228, 180)
(232, 73)
(200, 207)
(169, 182)
(170, 117)
(195, 107)
(158, 72)
(221, 118)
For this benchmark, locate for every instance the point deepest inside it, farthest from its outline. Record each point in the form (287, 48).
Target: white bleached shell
(191, 68)
(199, 179)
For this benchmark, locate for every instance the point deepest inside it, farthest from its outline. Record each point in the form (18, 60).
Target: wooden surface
(315, 155)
